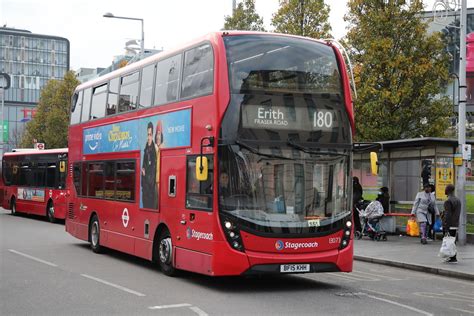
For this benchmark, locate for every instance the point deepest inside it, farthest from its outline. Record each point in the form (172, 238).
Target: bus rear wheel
(94, 235)
(50, 212)
(13, 207)
(165, 253)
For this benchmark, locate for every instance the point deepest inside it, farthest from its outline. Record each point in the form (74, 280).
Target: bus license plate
(289, 268)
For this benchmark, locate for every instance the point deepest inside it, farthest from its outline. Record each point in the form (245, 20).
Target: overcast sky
(95, 39)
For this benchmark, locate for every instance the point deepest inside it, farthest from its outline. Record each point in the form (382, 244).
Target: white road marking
(344, 277)
(442, 296)
(352, 277)
(380, 276)
(198, 311)
(364, 277)
(113, 285)
(463, 310)
(398, 304)
(170, 306)
(382, 293)
(462, 295)
(33, 258)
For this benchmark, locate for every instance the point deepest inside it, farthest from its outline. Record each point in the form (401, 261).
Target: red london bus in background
(230, 155)
(35, 182)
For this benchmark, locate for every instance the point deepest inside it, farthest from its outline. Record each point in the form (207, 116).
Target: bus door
(194, 216)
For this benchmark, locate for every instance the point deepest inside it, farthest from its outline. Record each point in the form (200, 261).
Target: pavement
(407, 252)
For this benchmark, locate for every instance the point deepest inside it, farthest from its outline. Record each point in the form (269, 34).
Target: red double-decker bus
(35, 182)
(229, 155)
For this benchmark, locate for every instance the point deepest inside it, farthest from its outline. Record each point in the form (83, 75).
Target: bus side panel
(78, 230)
(228, 261)
(117, 229)
(144, 248)
(59, 202)
(193, 261)
(346, 258)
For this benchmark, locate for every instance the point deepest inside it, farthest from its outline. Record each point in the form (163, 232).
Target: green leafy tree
(51, 122)
(244, 18)
(303, 17)
(400, 71)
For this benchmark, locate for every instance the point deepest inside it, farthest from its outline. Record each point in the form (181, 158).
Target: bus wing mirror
(201, 168)
(374, 163)
(62, 166)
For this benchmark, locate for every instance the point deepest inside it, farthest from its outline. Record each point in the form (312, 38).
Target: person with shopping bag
(452, 210)
(423, 201)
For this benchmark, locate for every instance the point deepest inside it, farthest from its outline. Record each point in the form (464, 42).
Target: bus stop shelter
(403, 167)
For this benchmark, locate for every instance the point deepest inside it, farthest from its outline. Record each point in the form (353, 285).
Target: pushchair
(370, 222)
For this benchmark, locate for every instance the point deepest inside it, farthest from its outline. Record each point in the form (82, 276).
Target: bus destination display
(288, 118)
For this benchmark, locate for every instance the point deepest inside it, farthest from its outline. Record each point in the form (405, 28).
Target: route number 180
(323, 119)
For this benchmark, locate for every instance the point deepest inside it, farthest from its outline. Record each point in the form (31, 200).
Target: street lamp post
(142, 42)
(4, 85)
(302, 17)
(461, 179)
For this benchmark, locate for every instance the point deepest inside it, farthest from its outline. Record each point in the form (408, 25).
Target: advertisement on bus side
(149, 135)
(28, 194)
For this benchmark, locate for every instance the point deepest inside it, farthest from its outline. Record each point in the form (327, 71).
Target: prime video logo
(280, 245)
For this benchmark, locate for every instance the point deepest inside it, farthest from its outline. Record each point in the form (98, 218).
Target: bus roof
(31, 151)
(154, 58)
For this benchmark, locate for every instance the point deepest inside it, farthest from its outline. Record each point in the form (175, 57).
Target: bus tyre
(165, 253)
(13, 207)
(94, 235)
(50, 212)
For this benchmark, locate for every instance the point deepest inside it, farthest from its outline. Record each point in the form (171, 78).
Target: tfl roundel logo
(189, 233)
(279, 245)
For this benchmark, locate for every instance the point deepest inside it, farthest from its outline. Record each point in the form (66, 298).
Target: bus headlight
(346, 236)
(232, 234)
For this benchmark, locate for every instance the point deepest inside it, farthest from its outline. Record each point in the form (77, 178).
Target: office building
(31, 60)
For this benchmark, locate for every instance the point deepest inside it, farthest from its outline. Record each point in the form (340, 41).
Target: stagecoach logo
(193, 234)
(125, 217)
(280, 245)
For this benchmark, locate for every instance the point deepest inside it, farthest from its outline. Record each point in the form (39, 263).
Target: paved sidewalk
(408, 252)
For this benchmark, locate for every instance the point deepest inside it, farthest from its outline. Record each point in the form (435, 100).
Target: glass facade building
(31, 60)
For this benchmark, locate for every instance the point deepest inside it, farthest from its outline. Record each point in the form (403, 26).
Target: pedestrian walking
(357, 192)
(423, 201)
(452, 210)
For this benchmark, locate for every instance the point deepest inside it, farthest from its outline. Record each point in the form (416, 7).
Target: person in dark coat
(426, 172)
(452, 210)
(357, 192)
(385, 199)
(149, 193)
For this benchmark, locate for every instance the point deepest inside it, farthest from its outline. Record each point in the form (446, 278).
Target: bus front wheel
(50, 212)
(165, 253)
(94, 235)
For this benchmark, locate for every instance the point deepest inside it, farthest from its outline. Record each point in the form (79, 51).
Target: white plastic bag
(448, 247)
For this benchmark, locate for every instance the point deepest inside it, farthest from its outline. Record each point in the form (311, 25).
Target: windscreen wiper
(308, 150)
(257, 152)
